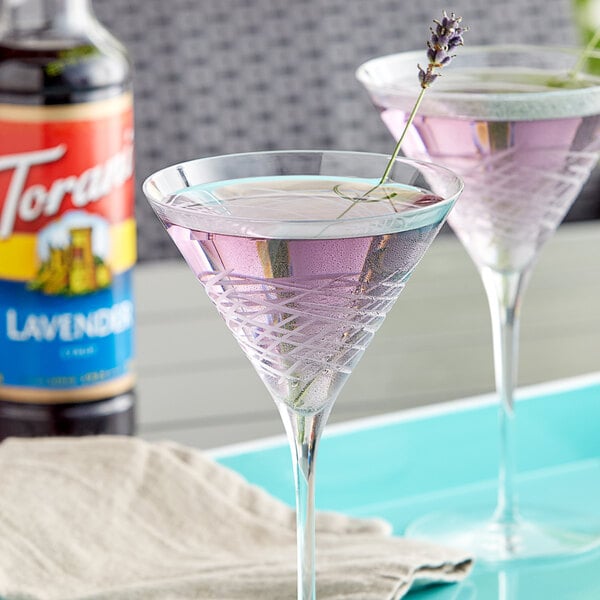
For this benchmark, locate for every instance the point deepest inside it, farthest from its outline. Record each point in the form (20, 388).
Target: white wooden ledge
(196, 386)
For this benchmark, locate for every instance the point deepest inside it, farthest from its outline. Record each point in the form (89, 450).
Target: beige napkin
(121, 519)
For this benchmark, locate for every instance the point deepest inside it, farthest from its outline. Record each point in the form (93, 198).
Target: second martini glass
(303, 254)
(521, 125)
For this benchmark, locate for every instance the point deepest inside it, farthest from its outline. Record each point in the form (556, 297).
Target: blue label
(63, 342)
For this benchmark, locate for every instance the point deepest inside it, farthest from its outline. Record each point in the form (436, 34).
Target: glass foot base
(546, 536)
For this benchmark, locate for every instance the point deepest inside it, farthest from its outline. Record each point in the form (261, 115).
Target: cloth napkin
(118, 518)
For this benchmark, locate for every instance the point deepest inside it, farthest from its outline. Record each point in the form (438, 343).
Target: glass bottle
(67, 223)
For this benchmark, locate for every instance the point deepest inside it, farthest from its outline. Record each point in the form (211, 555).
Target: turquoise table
(444, 457)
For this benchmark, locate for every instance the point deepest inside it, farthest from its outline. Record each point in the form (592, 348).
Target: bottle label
(67, 249)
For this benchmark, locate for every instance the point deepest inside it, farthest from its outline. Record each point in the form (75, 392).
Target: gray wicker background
(221, 76)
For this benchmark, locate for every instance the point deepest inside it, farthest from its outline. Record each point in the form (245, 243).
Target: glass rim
(415, 56)
(157, 198)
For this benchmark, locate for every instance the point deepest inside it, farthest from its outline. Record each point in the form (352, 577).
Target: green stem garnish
(409, 122)
(584, 54)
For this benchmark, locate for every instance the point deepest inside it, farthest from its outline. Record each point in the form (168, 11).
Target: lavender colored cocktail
(303, 254)
(304, 310)
(521, 126)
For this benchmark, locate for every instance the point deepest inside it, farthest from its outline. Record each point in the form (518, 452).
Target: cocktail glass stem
(504, 292)
(304, 432)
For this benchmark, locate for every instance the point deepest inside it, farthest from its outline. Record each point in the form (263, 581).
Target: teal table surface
(445, 458)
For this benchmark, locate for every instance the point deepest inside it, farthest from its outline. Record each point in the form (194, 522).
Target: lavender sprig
(446, 37)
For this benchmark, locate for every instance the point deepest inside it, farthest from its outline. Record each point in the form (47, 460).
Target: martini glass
(522, 129)
(303, 254)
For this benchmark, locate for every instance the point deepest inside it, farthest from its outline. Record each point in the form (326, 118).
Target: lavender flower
(447, 35)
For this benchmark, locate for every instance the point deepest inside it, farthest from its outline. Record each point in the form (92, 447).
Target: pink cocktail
(521, 126)
(303, 254)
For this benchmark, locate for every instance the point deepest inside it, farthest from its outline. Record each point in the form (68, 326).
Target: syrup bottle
(67, 224)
